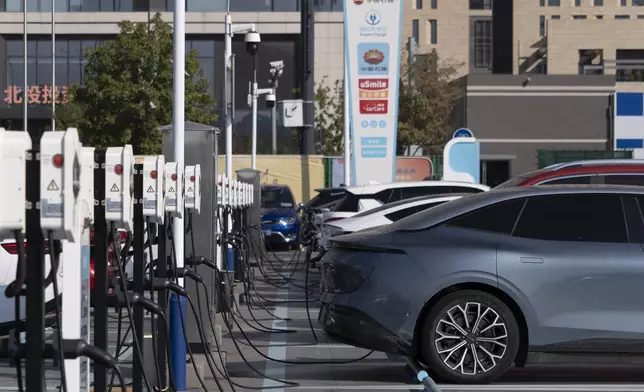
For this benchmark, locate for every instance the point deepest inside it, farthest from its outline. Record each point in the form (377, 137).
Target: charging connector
(153, 188)
(192, 186)
(119, 186)
(13, 155)
(60, 183)
(174, 189)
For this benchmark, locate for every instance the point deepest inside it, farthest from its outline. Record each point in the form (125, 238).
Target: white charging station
(153, 188)
(192, 186)
(13, 156)
(119, 186)
(174, 189)
(76, 279)
(60, 182)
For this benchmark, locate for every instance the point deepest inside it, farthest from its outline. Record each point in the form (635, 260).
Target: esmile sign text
(372, 57)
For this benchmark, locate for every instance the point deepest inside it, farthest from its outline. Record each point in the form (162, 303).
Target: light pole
(253, 94)
(277, 68)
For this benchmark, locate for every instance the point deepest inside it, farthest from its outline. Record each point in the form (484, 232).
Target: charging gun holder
(119, 186)
(60, 170)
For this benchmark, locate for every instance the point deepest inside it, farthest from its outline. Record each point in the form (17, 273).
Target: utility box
(251, 176)
(200, 149)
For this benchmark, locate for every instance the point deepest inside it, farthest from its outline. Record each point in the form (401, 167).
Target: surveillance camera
(270, 100)
(277, 64)
(252, 40)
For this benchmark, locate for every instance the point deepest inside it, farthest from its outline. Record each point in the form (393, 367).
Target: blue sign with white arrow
(462, 132)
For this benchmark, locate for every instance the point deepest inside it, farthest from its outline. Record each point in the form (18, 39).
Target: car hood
(277, 213)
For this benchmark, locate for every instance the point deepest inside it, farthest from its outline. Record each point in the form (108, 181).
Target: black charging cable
(180, 291)
(54, 264)
(137, 345)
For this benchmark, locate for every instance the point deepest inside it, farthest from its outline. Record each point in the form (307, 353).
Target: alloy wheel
(471, 338)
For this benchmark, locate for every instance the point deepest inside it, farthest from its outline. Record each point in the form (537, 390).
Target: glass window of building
(637, 3)
(577, 3)
(415, 30)
(579, 17)
(434, 4)
(327, 5)
(419, 4)
(432, 31)
(598, 3)
(168, 5)
(622, 3)
(480, 4)
(542, 25)
(622, 16)
(555, 17)
(483, 44)
(554, 3)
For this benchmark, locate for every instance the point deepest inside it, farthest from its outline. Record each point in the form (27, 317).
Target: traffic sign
(462, 132)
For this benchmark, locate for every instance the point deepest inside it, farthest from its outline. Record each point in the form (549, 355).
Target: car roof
(334, 189)
(375, 188)
(274, 187)
(427, 198)
(595, 162)
(472, 202)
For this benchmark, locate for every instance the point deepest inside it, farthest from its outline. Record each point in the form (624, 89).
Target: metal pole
(53, 65)
(274, 120)
(253, 156)
(178, 123)
(253, 153)
(228, 52)
(347, 130)
(307, 37)
(26, 86)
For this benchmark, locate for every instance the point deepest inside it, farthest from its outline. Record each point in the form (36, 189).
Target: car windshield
(277, 198)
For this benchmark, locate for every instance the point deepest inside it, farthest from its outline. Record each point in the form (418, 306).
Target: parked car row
(470, 283)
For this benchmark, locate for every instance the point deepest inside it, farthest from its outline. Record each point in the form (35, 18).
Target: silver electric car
(471, 286)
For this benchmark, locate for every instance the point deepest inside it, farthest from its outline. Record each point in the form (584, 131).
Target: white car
(367, 197)
(387, 214)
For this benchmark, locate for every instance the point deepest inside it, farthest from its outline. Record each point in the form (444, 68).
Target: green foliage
(425, 107)
(329, 116)
(127, 92)
(428, 95)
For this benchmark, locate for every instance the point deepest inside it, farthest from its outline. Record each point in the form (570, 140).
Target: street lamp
(277, 68)
(254, 93)
(252, 40)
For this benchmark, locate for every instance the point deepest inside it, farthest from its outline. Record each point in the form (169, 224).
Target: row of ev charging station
(81, 215)
(71, 203)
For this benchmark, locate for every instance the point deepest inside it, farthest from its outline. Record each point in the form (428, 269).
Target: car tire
(440, 338)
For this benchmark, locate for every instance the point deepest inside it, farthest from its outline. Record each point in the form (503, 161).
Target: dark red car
(609, 171)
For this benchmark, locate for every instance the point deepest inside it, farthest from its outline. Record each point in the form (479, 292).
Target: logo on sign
(358, 2)
(379, 106)
(372, 18)
(373, 88)
(365, 124)
(462, 132)
(373, 58)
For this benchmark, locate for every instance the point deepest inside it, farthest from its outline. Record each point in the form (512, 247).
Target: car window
(416, 191)
(405, 212)
(577, 180)
(349, 203)
(465, 189)
(495, 218)
(634, 217)
(277, 198)
(622, 179)
(576, 217)
(384, 196)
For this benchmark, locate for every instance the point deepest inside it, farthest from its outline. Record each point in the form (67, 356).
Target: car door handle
(531, 260)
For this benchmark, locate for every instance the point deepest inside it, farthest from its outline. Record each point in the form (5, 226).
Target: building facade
(82, 24)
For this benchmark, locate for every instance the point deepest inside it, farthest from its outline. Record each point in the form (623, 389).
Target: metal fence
(550, 157)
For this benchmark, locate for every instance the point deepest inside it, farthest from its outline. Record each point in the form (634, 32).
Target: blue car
(280, 219)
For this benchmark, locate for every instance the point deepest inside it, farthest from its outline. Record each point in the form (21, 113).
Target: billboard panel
(372, 59)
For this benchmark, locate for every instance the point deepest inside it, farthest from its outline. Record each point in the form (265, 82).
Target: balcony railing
(625, 70)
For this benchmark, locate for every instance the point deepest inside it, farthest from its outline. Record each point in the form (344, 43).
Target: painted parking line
(485, 388)
(276, 369)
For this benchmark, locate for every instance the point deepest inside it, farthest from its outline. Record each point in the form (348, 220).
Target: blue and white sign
(462, 132)
(372, 59)
(462, 160)
(629, 123)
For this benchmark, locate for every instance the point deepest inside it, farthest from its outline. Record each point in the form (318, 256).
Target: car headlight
(288, 221)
